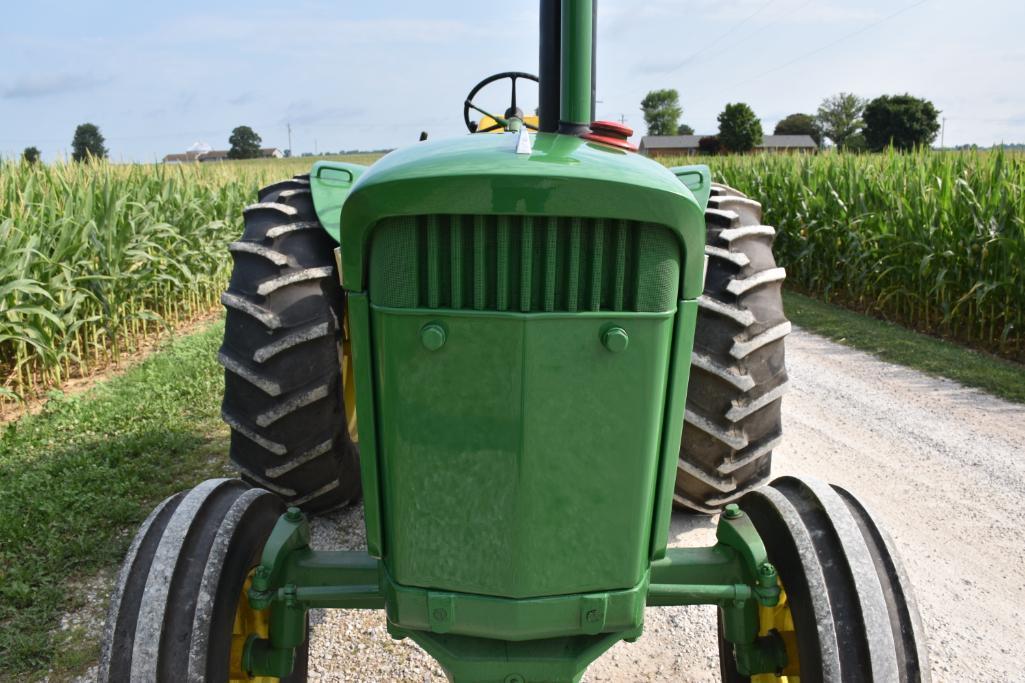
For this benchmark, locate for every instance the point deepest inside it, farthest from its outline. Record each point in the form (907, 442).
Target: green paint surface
(520, 458)
(482, 175)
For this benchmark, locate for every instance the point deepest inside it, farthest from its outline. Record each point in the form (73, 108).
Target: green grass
(900, 345)
(77, 479)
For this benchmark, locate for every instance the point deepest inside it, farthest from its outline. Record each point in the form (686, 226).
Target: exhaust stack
(567, 65)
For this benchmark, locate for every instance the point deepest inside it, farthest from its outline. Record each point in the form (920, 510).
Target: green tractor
(548, 340)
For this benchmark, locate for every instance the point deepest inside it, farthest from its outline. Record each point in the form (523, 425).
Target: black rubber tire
(282, 372)
(853, 607)
(172, 609)
(738, 372)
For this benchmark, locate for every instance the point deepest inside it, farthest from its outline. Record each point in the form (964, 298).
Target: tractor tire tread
(738, 371)
(282, 373)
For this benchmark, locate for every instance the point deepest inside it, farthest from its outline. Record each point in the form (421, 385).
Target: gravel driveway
(942, 465)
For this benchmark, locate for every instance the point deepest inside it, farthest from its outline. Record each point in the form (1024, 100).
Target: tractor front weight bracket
(476, 637)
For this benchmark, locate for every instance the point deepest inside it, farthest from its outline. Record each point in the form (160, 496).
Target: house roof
(187, 156)
(691, 142)
(788, 141)
(671, 141)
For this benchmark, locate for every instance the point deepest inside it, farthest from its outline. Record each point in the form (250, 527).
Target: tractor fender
(330, 183)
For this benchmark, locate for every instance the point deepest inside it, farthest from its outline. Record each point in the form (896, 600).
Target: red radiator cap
(611, 133)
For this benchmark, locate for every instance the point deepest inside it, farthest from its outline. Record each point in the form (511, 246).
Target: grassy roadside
(77, 479)
(900, 345)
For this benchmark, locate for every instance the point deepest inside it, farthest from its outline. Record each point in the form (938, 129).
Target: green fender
(331, 182)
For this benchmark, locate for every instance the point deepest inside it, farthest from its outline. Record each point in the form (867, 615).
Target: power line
(829, 45)
(764, 29)
(1014, 119)
(697, 53)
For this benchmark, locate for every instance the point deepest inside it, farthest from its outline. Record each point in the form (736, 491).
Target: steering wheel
(511, 112)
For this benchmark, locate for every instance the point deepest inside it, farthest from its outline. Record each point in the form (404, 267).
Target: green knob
(432, 336)
(615, 339)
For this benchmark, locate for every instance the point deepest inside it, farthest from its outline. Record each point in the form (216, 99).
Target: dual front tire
(851, 609)
(179, 611)
(179, 606)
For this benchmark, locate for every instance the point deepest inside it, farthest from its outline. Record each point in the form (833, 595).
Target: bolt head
(767, 569)
(440, 614)
(294, 514)
(732, 511)
(615, 339)
(433, 336)
(260, 578)
(593, 616)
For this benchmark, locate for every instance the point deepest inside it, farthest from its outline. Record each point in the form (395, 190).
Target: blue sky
(157, 77)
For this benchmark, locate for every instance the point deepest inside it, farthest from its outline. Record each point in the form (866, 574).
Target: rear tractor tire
(283, 392)
(738, 371)
(849, 613)
(181, 594)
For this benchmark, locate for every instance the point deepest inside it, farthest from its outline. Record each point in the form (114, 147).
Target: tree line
(88, 143)
(849, 122)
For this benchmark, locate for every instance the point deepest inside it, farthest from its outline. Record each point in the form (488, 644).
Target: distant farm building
(686, 145)
(217, 155)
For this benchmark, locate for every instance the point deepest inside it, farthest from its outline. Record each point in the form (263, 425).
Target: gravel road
(942, 465)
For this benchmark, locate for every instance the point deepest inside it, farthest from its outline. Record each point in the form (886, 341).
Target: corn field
(934, 241)
(96, 258)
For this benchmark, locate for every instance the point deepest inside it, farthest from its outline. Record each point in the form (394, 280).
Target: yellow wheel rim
(348, 381)
(780, 620)
(247, 621)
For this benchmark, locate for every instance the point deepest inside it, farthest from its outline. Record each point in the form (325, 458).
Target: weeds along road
(941, 465)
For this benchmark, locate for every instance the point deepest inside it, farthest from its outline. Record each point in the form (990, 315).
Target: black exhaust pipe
(550, 70)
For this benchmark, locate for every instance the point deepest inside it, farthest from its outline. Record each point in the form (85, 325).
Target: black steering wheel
(512, 112)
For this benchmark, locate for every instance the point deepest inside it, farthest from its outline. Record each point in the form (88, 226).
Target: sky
(158, 77)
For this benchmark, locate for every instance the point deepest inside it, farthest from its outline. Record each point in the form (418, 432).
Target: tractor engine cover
(530, 320)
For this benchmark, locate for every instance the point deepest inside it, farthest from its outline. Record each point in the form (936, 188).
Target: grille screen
(523, 263)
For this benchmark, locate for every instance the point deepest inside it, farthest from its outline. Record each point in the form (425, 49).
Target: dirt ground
(941, 465)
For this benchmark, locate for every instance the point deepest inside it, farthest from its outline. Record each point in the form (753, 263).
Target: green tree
(30, 155)
(839, 117)
(245, 143)
(800, 124)
(739, 128)
(88, 142)
(902, 121)
(684, 129)
(856, 143)
(662, 111)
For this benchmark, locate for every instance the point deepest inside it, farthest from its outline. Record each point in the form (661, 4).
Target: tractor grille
(524, 264)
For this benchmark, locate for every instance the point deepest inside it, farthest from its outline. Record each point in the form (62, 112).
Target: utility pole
(289, 124)
(943, 133)
(622, 119)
